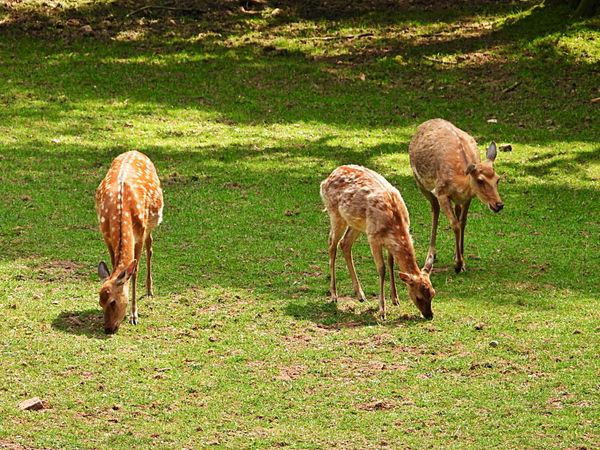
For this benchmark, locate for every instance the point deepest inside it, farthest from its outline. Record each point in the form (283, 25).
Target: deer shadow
(327, 314)
(88, 323)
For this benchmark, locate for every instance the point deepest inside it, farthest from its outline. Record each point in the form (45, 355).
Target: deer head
(420, 289)
(484, 180)
(114, 295)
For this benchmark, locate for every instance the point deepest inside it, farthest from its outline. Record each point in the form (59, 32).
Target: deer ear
(103, 272)
(428, 265)
(126, 273)
(492, 151)
(407, 278)
(470, 168)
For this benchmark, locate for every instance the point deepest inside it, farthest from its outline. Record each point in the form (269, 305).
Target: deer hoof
(133, 320)
(395, 301)
(459, 268)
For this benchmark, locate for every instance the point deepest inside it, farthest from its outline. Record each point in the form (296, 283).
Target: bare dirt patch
(376, 405)
(61, 270)
(290, 373)
(14, 446)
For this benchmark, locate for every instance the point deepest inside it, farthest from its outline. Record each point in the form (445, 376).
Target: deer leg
(346, 244)
(393, 292)
(111, 252)
(457, 213)
(435, 215)
(446, 206)
(463, 224)
(133, 316)
(377, 252)
(338, 226)
(149, 291)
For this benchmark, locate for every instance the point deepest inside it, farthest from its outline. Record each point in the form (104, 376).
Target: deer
(129, 205)
(359, 200)
(447, 169)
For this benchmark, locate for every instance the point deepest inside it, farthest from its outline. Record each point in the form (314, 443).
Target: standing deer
(129, 205)
(446, 165)
(360, 200)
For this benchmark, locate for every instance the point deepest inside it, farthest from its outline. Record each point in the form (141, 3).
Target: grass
(244, 113)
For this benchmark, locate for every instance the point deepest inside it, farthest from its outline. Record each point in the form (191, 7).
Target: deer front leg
(458, 213)
(335, 234)
(149, 291)
(393, 292)
(376, 249)
(446, 206)
(133, 317)
(463, 223)
(346, 244)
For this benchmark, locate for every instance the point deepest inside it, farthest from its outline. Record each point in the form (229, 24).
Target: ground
(245, 107)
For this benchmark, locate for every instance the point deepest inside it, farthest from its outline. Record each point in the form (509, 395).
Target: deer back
(129, 202)
(440, 154)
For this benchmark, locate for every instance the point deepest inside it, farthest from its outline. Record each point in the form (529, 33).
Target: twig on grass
(170, 8)
(348, 36)
(512, 87)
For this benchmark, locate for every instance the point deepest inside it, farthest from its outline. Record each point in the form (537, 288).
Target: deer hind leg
(346, 244)
(446, 206)
(133, 317)
(393, 292)
(149, 291)
(435, 215)
(377, 252)
(338, 225)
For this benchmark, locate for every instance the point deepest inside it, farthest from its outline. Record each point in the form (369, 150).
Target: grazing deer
(358, 199)
(446, 165)
(129, 204)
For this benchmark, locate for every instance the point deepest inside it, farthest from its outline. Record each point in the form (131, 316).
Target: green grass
(244, 115)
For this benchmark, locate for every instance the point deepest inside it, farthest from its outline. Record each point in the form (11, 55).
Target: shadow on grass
(327, 314)
(274, 86)
(88, 323)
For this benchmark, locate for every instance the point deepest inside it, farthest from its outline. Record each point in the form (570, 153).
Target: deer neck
(404, 253)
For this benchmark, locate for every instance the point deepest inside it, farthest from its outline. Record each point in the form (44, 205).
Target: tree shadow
(562, 162)
(88, 323)
(263, 89)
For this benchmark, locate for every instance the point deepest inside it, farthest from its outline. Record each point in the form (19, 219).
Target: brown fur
(129, 205)
(447, 168)
(360, 200)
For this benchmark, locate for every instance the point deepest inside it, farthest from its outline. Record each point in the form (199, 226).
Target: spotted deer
(358, 200)
(446, 166)
(129, 205)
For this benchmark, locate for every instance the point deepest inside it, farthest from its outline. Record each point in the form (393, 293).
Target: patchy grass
(244, 112)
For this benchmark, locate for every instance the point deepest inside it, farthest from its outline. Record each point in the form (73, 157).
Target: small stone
(33, 404)
(492, 121)
(213, 339)
(277, 12)
(479, 326)
(494, 344)
(116, 407)
(577, 332)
